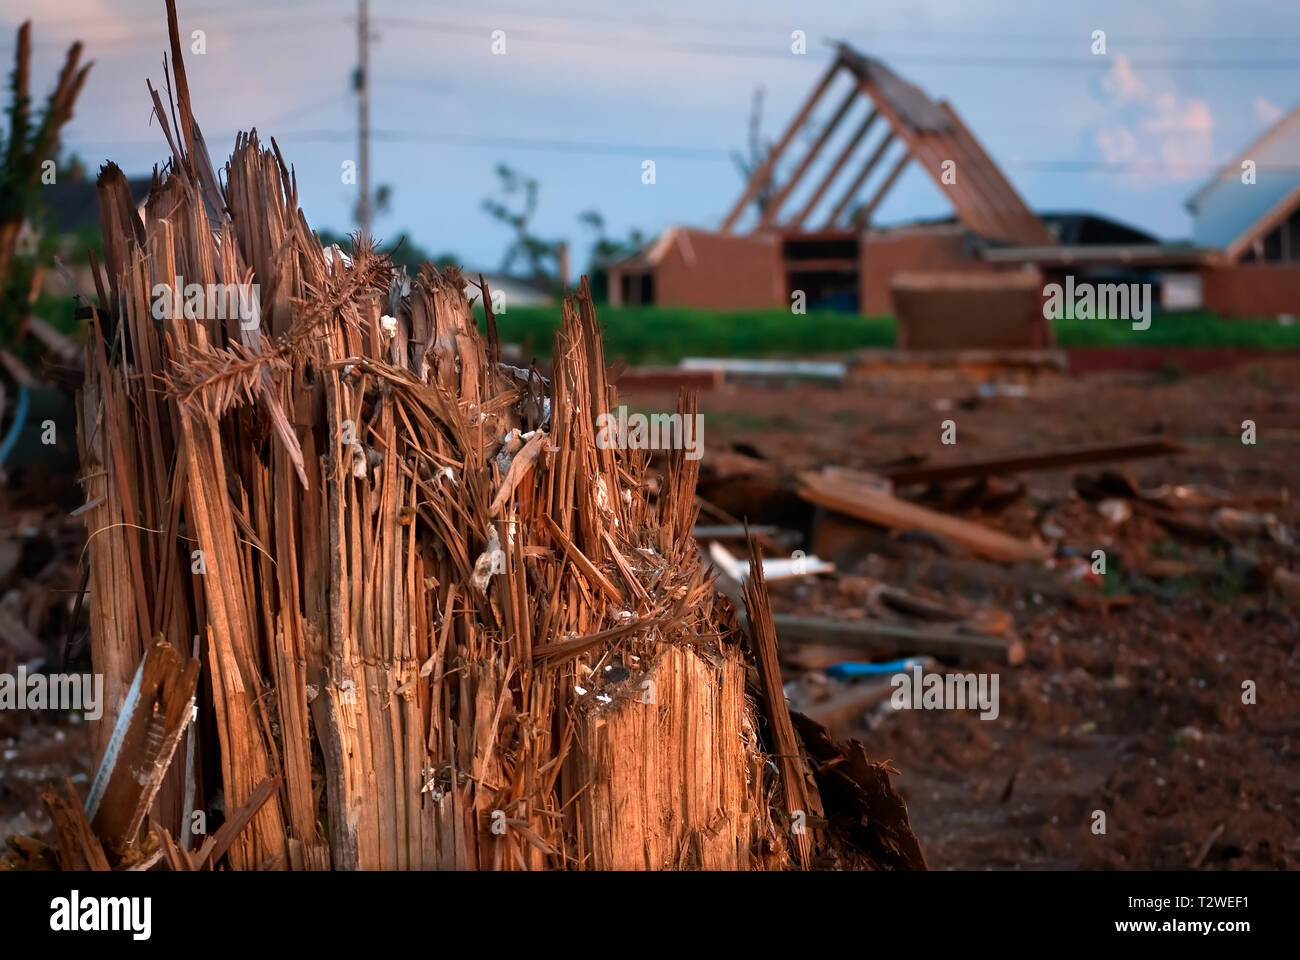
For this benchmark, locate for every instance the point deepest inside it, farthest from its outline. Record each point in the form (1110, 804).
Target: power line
(643, 150)
(523, 143)
(302, 109)
(964, 35)
(597, 148)
(714, 48)
(249, 30)
(1098, 64)
(185, 14)
(665, 21)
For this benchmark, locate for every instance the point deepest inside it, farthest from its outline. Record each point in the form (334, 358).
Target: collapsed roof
(930, 133)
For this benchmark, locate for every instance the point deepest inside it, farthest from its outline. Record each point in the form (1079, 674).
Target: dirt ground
(1131, 705)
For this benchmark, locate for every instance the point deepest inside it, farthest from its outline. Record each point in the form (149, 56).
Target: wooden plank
(836, 167)
(889, 511)
(1028, 229)
(897, 640)
(802, 802)
(57, 343)
(216, 844)
(858, 181)
(774, 205)
(79, 848)
(148, 728)
(1045, 460)
(844, 708)
(895, 172)
(18, 370)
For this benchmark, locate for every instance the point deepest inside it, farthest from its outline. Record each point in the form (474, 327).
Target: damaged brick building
(817, 235)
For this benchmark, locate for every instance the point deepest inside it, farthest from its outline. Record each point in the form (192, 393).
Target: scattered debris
(1046, 460)
(798, 369)
(893, 639)
(774, 568)
(859, 500)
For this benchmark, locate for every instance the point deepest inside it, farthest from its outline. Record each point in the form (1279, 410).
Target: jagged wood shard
(439, 625)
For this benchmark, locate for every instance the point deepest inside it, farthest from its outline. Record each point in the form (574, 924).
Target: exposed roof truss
(926, 132)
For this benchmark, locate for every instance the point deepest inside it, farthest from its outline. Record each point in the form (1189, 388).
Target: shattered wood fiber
(436, 625)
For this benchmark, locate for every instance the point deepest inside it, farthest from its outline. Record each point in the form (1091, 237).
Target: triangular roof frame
(930, 133)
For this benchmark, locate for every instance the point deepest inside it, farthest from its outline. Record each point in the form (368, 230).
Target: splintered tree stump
(406, 570)
(435, 623)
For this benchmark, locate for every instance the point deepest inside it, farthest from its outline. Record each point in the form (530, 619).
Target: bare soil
(1132, 707)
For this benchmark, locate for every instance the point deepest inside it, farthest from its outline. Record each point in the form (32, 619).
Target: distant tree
(541, 256)
(756, 153)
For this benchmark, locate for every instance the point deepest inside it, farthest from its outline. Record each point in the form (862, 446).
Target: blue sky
(586, 91)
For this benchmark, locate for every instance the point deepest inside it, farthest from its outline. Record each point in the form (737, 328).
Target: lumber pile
(426, 620)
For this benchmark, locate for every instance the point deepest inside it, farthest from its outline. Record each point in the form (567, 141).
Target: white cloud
(1122, 83)
(1267, 111)
(1117, 144)
(1164, 135)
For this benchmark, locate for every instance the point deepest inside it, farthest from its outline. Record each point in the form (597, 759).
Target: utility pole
(363, 108)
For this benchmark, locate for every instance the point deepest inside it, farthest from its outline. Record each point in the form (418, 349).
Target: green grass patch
(667, 334)
(1195, 328)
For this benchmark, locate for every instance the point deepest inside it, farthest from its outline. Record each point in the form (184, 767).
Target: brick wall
(884, 254)
(1252, 289)
(716, 271)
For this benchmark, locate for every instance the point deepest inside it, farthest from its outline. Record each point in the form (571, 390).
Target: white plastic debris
(333, 252)
(774, 568)
(1115, 511)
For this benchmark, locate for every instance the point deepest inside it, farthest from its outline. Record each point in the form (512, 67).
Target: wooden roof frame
(982, 197)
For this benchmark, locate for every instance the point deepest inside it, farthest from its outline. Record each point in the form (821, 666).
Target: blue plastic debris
(851, 669)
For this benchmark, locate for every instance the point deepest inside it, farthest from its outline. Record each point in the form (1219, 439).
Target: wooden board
(888, 511)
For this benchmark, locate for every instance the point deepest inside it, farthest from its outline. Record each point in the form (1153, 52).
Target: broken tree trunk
(437, 623)
(386, 598)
